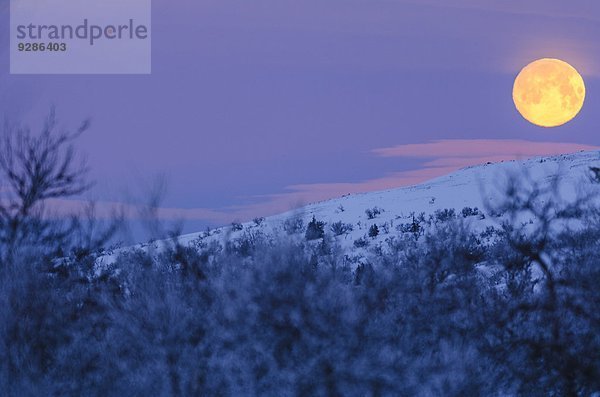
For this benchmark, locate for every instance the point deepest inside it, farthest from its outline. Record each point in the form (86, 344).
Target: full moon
(549, 92)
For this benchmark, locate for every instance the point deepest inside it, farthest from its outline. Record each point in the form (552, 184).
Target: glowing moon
(549, 92)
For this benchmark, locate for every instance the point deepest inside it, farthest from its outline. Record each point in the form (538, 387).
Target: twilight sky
(255, 107)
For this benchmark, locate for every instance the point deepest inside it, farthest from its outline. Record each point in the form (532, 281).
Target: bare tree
(33, 169)
(539, 317)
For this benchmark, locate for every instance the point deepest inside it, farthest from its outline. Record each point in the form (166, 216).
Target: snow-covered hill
(472, 193)
(478, 187)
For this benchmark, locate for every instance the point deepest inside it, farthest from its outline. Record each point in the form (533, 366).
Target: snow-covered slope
(479, 186)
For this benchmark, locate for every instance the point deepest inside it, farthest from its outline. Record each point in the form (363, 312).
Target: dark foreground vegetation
(443, 310)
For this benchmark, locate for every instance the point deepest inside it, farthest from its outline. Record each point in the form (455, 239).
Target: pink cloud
(439, 158)
(481, 148)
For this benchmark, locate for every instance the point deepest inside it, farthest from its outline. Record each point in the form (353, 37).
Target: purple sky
(254, 107)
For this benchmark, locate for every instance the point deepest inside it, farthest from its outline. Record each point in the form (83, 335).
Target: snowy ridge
(472, 187)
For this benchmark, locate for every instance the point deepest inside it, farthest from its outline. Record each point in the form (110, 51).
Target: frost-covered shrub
(339, 228)
(372, 213)
(361, 242)
(293, 225)
(416, 227)
(468, 211)
(445, 215)
(236, 226)
(246, 244)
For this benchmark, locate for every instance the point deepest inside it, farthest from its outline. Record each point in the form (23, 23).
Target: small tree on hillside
(315, 229)
(373, 231)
